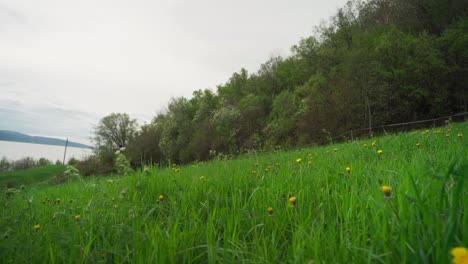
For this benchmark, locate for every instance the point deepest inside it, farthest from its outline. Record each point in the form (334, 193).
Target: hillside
(393, 199)
(7, 135)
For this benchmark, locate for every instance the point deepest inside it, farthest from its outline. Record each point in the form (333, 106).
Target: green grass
(29, 176)
(339, 217)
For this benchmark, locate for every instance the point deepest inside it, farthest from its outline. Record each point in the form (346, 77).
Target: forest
(373, 63)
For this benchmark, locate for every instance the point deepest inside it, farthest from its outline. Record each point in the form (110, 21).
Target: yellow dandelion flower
(348, 169)
(335, 150)
(374, 143)
(292, 201)
(161, 198)
(298, 160)
(202, 178)
(254, 172)
(460, 255)
(37, 227)
(77, 217)
(447, 135)
(270, 210)
(379, 152)
(387, 190)
(460, 135)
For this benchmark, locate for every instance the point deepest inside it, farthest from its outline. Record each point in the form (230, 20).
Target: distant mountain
(7, 135)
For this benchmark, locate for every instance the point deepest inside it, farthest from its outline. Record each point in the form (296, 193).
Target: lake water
(16, 150)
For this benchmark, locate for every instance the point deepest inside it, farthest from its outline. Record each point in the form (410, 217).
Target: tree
(114, 131)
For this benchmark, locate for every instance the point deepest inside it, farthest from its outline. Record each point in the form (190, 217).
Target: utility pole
(65, 152)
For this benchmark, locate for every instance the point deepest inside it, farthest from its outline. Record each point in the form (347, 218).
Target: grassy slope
(339, 217)
(29, 176)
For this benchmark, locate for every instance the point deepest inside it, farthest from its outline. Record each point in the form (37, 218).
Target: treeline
(373, 63)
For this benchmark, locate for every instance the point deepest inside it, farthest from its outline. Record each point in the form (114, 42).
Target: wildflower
(77, 217)
(270, 210)
(447, 135)
(348, 169)
(418, 145)
(254, 172)
(460, 135)
(335, 150)
(460, 255)
(202, 178)
(161, 198)
(292, 201)
(379, 152)
(299, 160)
(387, 190)
(374, 143)
(37, 227)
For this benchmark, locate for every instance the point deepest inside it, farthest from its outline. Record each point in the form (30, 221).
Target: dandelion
(460, 135)
(77, 217)
(374, 143)
(460, 255)
(270, 210)
(254, 172)
(335, 150)
(202, 178)
(379, 152)
(37, 227)
(161, 198)
(387, 190)
(447, 135)
(418, 145)
(348, 169)
(298, 160)
(292, 201)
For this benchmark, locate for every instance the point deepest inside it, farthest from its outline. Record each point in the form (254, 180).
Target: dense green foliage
(375, 62)
(217, 212)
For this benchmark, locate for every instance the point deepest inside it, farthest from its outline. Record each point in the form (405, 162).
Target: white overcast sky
(66, 64)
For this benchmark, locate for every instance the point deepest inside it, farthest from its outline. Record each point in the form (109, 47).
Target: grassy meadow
(29, 176)
(301, 206)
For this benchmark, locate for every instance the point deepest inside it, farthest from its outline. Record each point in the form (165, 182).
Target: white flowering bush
(122, 164)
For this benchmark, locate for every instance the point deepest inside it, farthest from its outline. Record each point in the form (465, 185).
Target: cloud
(67, 59)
